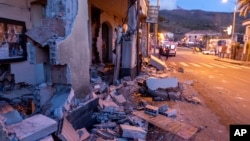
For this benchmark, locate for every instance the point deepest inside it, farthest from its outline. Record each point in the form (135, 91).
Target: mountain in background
(180, 21)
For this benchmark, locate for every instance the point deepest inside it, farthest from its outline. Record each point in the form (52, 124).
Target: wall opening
(95, 27)
(106, 43)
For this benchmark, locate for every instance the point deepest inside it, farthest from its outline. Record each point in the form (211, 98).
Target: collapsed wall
(65, 32)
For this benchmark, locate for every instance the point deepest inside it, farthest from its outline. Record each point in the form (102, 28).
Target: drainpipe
(137, 38)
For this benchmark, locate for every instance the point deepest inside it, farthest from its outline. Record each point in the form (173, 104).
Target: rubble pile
(109, 112)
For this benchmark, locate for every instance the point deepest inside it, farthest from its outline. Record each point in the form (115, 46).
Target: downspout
(137, 38)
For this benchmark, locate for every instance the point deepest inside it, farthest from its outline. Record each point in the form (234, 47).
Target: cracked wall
(74, 49)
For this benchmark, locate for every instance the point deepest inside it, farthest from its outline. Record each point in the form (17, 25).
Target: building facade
(58, 40)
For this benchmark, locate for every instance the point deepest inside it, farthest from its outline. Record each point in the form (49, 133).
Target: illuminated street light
(234, 17)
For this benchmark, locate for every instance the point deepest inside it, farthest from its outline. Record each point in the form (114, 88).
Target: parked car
(208, 52)
(169, 49)
(172, 50)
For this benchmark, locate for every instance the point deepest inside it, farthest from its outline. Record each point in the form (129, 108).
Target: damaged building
(49, 48)
(58, 40)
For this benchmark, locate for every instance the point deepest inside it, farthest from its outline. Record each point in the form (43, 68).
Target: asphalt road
(225, 87)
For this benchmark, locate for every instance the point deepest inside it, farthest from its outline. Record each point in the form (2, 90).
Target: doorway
(106, 43)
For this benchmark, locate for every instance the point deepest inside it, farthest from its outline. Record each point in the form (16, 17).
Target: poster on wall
(12, 41)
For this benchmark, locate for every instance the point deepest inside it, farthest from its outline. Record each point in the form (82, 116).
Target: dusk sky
(206, 5)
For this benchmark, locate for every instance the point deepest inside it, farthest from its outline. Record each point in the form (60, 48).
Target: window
(12, 41)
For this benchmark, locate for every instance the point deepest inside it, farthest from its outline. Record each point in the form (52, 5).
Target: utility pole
(156, 29)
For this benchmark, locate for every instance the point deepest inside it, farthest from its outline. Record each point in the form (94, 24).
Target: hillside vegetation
(181, 21)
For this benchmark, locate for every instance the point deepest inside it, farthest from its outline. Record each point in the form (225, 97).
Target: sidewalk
(232, 61)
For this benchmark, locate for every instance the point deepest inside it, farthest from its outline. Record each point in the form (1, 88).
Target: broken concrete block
(5, 107)
(3, 131)
(189, 82)
(174, 95)
(83, 134)
(180, 69)
(163, 108)
(61, 102)
(164, 83)
(156, 62)
(82, 116)
(171, 113)
(33, 128)
(45, 94)
(109, 106)
(133, 132)
(119, 99)
(158, 93)
(104, 134)
(66, 132)
(106, 125)
(2, 119)
(196, 100)
(151, 110)
(12, 117)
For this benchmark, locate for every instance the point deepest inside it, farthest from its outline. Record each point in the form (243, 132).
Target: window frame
(21, 40)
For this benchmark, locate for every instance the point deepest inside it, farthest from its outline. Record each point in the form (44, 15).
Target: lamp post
(234, 18)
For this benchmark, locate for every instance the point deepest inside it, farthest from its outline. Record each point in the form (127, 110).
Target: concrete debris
(133, 132)
(156, 62)
(66, 132)
(33, 128)
(163, 108)
(108, 106)
(151, 110)
(189, 82)
(165, 83)
(105, 134)
(119, 99)
(60, 102)
(196, 100)
(180, 69)
(106, 125)
(83, 134)
(12, 117)
(111, 112)
(174, 95)
(171, 113)
(48, 138)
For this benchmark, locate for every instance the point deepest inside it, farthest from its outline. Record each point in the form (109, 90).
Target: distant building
(198, 36)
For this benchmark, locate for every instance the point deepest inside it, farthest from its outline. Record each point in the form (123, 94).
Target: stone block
(151, 110)
(164, 83)
(133, 132)
(33, 128)
(156, 62)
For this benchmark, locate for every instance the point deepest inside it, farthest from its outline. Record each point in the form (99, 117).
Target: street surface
(223, 87)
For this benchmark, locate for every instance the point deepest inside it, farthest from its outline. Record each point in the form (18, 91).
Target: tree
(243, 7)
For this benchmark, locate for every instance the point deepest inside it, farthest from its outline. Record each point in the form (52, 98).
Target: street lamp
(234, 18)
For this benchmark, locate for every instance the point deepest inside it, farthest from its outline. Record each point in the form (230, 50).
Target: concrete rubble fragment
(83, 134)
(109, 109)
(66, 132)
(12, 117)
(155, 83)
(133, 132)
(33, 128)
(163, 108)
(171, 113)
(108, 106)
(60, 102)
(119, 99)
(151, 110)
(156, 62)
